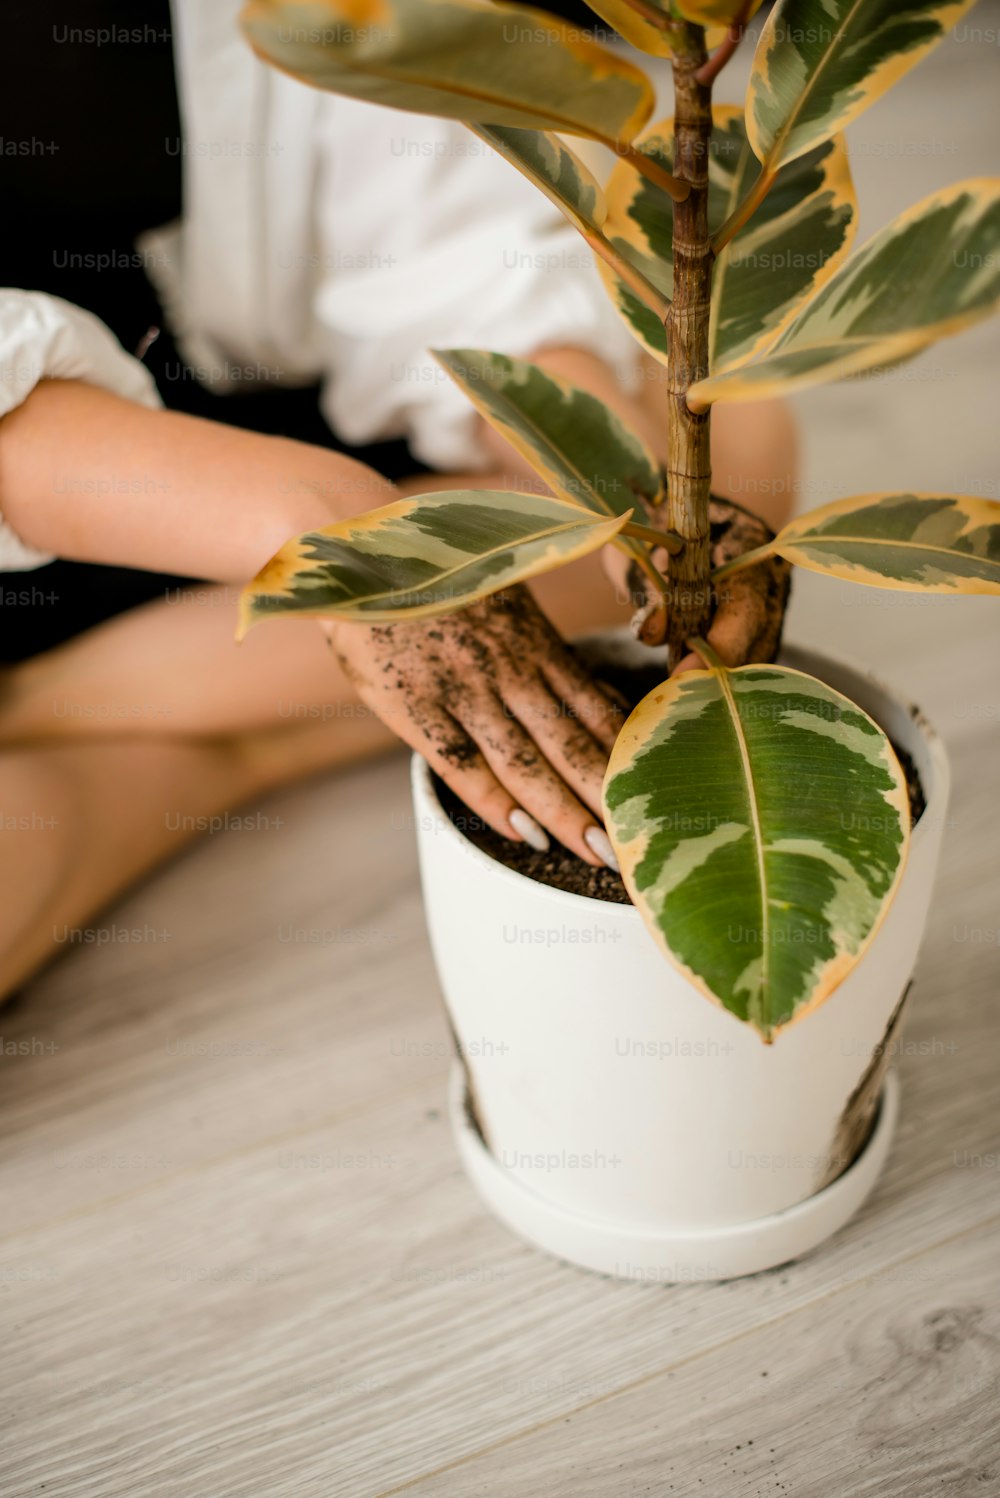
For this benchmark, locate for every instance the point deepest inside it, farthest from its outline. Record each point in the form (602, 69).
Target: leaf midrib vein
(807, 91)
(765, 901)
(944, 551)
(482, 556)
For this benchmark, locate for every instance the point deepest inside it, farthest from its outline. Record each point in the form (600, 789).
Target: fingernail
(598, 842)
(529, 829)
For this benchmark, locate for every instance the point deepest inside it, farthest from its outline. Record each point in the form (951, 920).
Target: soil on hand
(561, 869)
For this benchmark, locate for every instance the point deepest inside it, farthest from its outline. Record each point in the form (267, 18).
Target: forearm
(95, 478)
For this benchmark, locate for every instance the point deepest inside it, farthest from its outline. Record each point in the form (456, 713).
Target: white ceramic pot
(611, 1114)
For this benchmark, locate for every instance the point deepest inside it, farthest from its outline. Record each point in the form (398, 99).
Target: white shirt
(326, 239)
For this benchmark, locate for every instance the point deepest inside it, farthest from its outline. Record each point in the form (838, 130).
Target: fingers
(748, 617)
(738, 622)
(453, 754)
(569, 682)
(750, 614)
(523, 771)
(569, 747)
(430, 730)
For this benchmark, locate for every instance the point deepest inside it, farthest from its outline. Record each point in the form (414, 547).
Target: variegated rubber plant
(725, 791)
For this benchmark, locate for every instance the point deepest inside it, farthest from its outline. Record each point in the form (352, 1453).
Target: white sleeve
(430, 240)
(44, 338)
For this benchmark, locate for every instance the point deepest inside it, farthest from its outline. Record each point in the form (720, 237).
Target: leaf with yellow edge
(647, 28)
(422, 556)
(725, 799)
(932, 272)
(468, 60)
(820, 63)
(799, 238)
(553, 168)
(923, 543)
(576, 443)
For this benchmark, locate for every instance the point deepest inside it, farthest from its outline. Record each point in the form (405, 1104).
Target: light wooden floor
(240, 1258)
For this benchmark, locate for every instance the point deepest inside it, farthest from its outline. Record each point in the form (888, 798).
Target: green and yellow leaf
(637, 26)
(761, 821)
(550, 164)
(640, 226)
(553, 168)
(930, 273)
(926, 543)
(421, 556)
(571, 439)
(820, 63)
(799, 238)
(470, 60)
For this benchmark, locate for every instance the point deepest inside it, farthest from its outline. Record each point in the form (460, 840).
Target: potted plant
(616, 1108)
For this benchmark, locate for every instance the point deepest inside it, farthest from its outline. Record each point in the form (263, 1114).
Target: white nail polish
(598, 842)
(529, 829)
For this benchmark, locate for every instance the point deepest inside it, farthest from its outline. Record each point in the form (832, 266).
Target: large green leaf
(931, 272)
(819, 63)
(798, 239)
(761, 822)
(460, 59)
(569, 437)
(926, 543)
(420, 556)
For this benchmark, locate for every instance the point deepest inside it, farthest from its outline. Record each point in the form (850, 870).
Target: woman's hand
(748, 606)
(502, 711)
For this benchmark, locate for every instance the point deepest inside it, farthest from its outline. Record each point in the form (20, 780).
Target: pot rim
(422, 781)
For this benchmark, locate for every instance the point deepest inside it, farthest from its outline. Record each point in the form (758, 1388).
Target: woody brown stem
(689, 471)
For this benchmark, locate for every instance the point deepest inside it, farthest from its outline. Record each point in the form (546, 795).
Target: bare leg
(139, 729)
(82, 821)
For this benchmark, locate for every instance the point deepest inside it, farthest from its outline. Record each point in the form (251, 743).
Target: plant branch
(704, 649)
(649, 167)
(713, 67)
(748, 559)
(660, 589)
(670, 542)
(744, 211)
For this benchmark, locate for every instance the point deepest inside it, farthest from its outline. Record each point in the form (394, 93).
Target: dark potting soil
(561, 869)
(558, 867)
